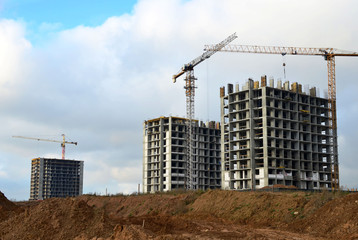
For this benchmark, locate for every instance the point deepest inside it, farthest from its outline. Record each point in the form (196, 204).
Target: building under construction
(275, 135)
(165, 155)
(55, 178)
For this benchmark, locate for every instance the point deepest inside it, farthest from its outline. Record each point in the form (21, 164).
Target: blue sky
(68, 13)
(96, 70)
(45, 17)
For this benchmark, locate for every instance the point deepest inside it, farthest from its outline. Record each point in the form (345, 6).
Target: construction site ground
(212, 214)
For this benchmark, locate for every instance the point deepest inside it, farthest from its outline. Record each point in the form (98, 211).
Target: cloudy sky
(95, 70)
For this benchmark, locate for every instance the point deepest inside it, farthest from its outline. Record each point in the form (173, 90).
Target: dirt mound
(6, 207)
(5, 204)
(338, 219)
(149, 204)
(264, 209)
(131, 232)
(191, 215)
(280, 186)
(56, 219)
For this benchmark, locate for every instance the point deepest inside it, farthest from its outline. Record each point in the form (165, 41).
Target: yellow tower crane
(63, 142)
(190, 93)
(329, 55)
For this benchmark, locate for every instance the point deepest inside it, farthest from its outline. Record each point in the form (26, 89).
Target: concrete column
(265, 140)
(145, 158)
(222, 113)
(169, 156)
(41, 177)
(81, 178)
(252, 134)
(161, 151)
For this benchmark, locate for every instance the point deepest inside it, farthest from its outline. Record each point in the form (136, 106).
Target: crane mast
(329, 55)
(190, 98)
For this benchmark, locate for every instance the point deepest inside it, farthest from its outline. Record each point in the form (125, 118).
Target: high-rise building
(165, 151)
(55, 178)
(275, 136)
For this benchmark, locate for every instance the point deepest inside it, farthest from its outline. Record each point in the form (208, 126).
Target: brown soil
(7, 208)
(185, 215)
(280, 186)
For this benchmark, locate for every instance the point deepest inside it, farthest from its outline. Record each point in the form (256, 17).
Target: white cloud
(3, 174)
(126, 174)
(13, 48)
(98, 84)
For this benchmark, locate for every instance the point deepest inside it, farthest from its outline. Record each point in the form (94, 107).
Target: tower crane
(63, 142)
(329, 55)
(190, 94)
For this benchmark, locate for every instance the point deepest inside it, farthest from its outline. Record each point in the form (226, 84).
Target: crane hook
(284, 65)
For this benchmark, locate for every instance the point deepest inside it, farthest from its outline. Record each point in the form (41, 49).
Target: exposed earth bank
(185, 215)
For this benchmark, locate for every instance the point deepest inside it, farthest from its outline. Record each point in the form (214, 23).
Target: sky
(96, 70)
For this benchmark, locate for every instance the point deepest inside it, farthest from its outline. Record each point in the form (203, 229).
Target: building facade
(165, 150)
(274, 136)
(55, 178)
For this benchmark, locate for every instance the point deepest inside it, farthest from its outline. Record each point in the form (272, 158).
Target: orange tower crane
(329, 55)
(190, 93)
(63, 142)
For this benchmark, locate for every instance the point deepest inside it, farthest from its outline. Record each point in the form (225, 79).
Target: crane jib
(207, 54)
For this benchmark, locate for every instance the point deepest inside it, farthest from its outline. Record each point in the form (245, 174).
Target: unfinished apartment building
(274, 136)
(165, 150)
(55, 178)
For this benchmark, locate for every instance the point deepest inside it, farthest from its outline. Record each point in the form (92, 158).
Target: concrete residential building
(274, 136)
(55, 178)
(164, 155)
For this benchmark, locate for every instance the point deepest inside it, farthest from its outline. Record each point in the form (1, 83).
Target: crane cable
(284, 65)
